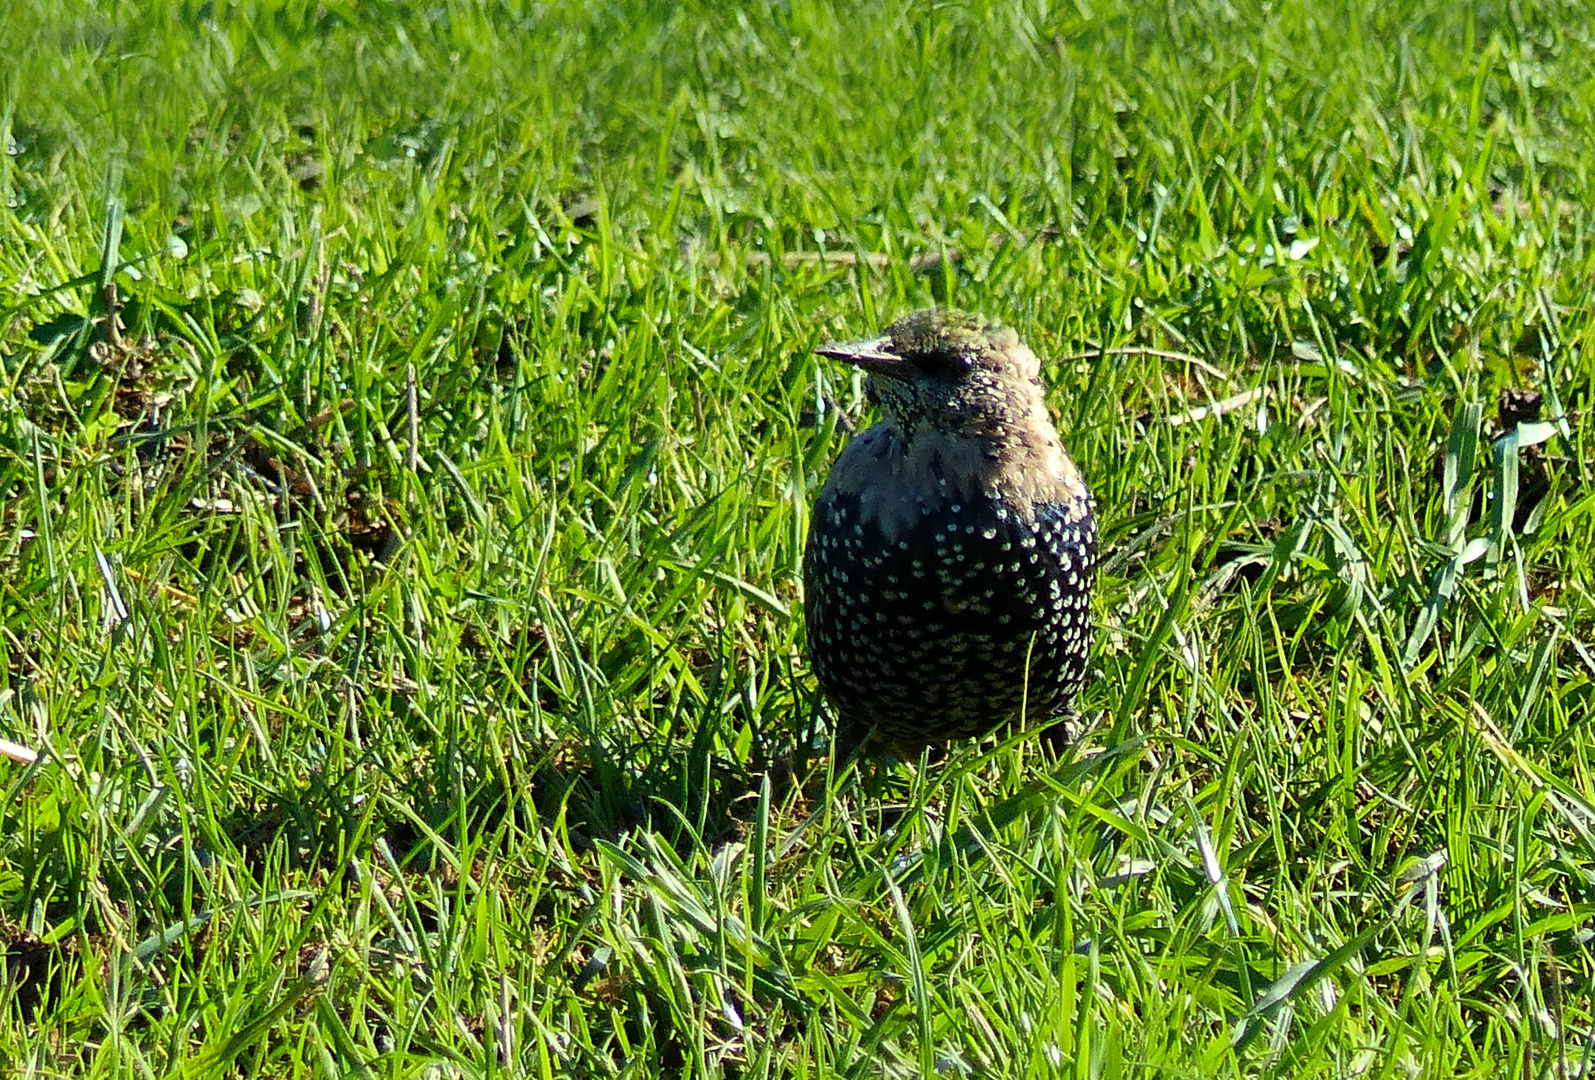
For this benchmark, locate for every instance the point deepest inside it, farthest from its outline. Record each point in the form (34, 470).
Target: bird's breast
(899, 483)
(956, 619)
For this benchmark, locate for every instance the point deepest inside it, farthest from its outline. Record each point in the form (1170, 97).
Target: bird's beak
(873, 355)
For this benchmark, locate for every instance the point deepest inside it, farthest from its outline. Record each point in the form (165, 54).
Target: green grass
(404, 601)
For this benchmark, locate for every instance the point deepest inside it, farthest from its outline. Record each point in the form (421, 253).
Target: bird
(950, 556)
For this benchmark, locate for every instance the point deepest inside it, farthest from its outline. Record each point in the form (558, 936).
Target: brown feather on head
(963, 396)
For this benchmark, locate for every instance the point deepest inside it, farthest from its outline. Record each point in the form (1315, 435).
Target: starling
(947, 575)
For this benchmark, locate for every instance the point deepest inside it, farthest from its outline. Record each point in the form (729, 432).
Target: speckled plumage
(947, 575)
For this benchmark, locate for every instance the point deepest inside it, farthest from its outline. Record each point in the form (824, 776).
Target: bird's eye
(946, 362)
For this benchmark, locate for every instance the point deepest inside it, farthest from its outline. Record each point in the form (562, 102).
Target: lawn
(408, 426)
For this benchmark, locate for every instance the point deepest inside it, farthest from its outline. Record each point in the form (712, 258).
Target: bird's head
(949, 372)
